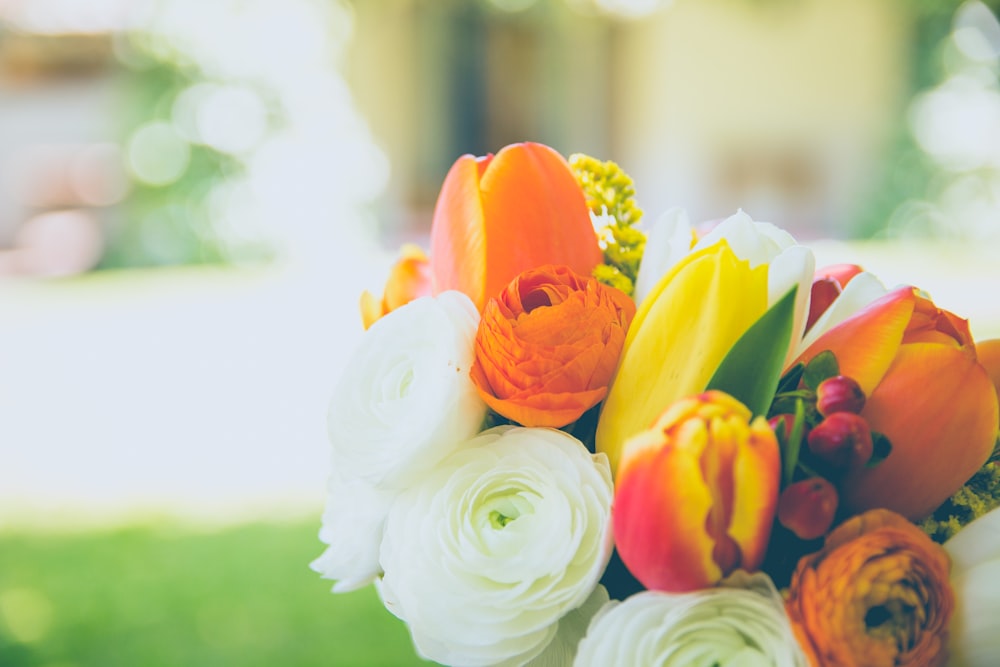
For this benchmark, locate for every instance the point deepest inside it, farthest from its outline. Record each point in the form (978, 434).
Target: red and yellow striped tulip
(500, 215)
(409, 279)
(927, 392)
(696, 494)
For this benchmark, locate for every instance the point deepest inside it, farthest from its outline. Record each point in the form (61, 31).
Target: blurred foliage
(160, 596)
(170, 224)
(909, 173)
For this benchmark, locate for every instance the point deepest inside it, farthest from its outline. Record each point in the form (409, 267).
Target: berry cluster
(817, 406)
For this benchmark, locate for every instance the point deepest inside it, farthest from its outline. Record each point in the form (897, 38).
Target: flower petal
(866, 344)
(938, 408)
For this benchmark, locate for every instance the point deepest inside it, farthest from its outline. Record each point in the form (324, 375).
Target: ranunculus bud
(843, 439)
(839, 394)
(807, 507)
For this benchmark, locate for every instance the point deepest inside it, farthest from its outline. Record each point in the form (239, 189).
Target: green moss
(980, 495)
(610, 195)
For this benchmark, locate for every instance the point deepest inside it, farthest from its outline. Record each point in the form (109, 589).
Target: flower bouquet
(568, 437)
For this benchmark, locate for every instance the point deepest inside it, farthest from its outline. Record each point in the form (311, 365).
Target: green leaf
(790, 454)
(751, 370)
(790, 380)
(823, 365)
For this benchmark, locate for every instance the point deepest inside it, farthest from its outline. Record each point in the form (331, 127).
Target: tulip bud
(839, 394)
(807, 507)
(843, 439)
(696, 493)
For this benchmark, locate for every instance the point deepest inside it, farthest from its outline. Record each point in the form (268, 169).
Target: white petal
(667, 243)
(976, 543)
(863, 289)
(974, 640)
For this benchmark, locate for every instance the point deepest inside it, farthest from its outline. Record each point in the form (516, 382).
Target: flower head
(548, 346)
(503, 214)
(696, 494)
(405, 399)
(926, 392)
(409, 279)
(876, 594)
(494, 546)
(740, 624)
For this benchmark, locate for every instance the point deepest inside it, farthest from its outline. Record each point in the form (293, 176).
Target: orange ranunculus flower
(409, 279)
(548, 346)
(876, 594)
(498, 216)
(695, 495)
(927, 392)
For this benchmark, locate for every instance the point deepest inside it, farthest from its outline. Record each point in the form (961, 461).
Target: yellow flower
(696, 494)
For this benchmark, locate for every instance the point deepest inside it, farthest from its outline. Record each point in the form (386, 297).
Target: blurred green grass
(160, 595)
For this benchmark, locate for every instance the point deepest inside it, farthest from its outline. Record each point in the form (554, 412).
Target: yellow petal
(680, 334)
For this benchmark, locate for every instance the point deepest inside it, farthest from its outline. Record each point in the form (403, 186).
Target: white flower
(572, 627)
(406, 399)
(500, 541)
(667, 243)
(975, 578)
(756, 242)
(744, 626)
(352, 527)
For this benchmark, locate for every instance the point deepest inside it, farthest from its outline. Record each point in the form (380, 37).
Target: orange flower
(927, 392)
(409, 278)
(548, 346)
(876, 594)
(498, 216)
(988, 353)
(696, 494)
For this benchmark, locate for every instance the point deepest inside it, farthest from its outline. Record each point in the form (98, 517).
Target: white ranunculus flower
(756, 242)
(975, 578)
(406, 399)
(494, 546)
(742, 624)
(572, 627)
(352, 527)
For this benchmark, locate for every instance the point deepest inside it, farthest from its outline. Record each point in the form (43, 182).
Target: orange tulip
(696, 494)
(548, 346)
(988, 353)
(409, 278)
(927, 392)
(498, 216)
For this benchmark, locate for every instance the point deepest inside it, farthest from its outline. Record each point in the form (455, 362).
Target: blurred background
(193, 194)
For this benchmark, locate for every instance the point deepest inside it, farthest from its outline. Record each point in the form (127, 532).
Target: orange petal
(458, 234)
(938, 407)
(661, 507)
(534, 213)
(756, 473)
(988, 352)
(866, 344)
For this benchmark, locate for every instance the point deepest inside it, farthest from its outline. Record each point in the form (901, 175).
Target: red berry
(839, 394)
(842, 439)
(807, 507)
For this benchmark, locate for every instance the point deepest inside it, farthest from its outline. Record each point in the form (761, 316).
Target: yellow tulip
(680, 335)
